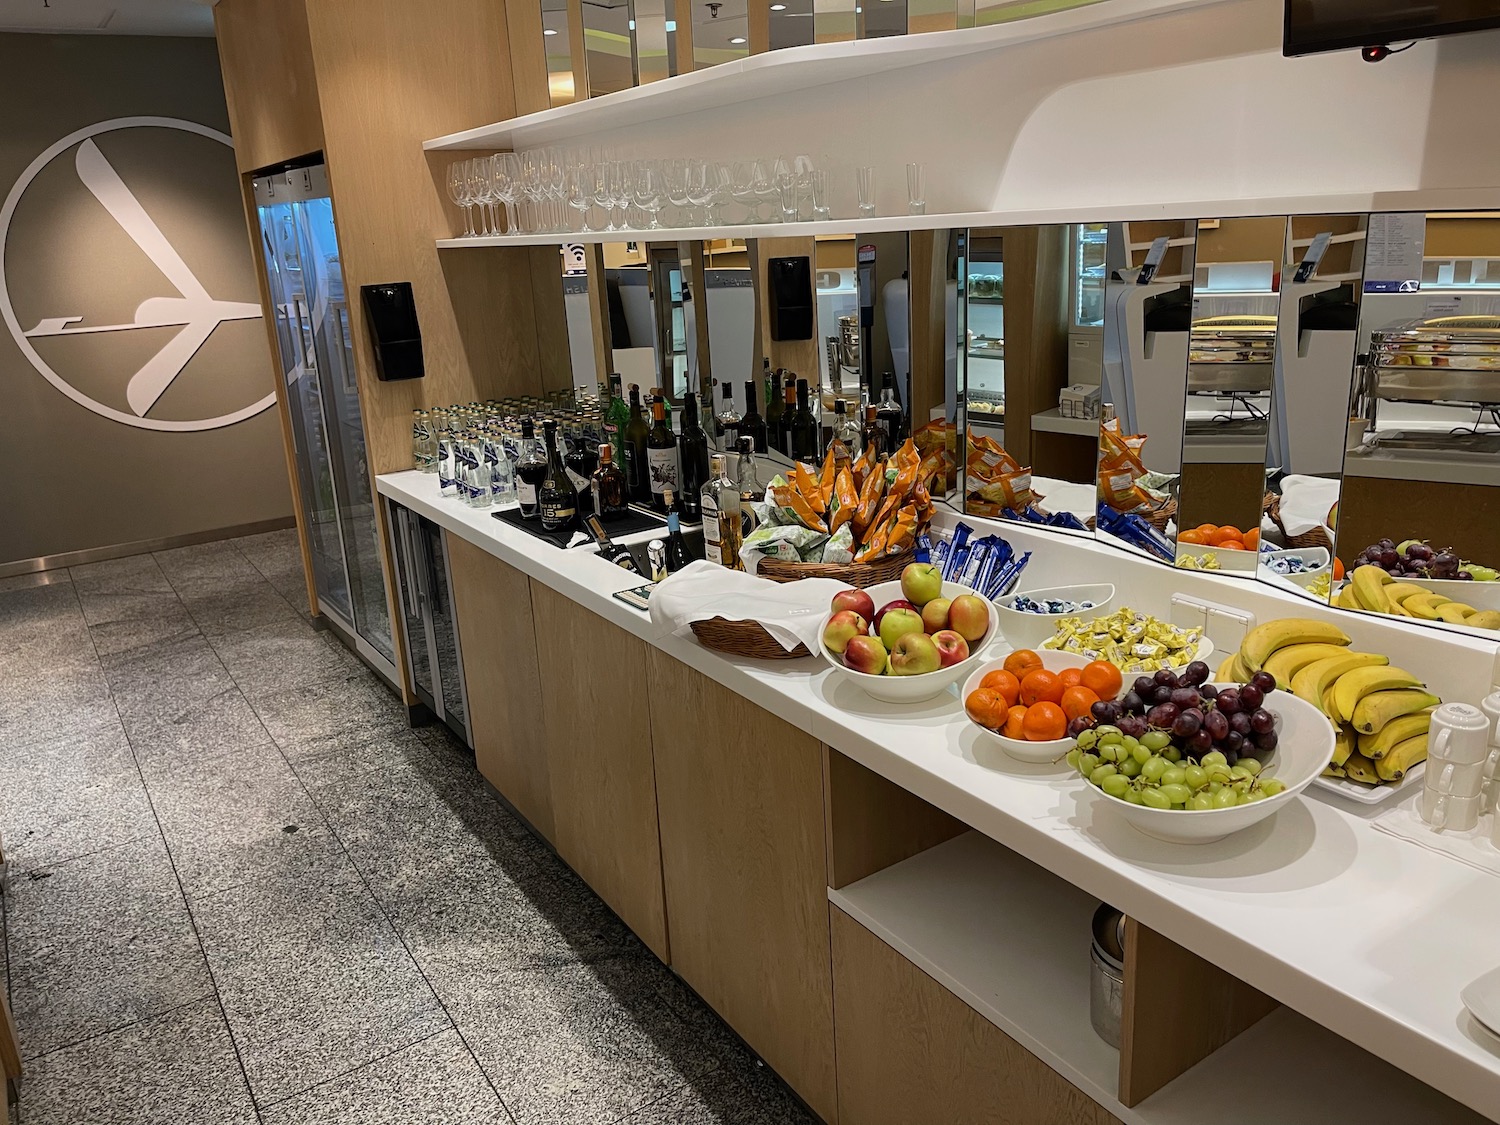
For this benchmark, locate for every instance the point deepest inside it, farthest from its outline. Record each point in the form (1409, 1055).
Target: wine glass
(649, 190)
(484, 193)
(555, 186)
(507, 172)
(742, 188)
(582, 192)
(675, 174)
(458, 192)
(768, 175)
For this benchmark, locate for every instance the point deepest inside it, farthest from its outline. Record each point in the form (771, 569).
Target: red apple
(897, 624)
(935, 615)
(856, 600)
(951, 647)
(915, 655)
(969, 616)
(921, 582)
(842, 628)
(865, 654)
(897, 604)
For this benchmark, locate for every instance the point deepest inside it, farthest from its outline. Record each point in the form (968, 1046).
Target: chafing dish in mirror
(1231, 355)
(1451, 361)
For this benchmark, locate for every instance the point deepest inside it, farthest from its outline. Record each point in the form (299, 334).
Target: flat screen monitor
(1332, 25)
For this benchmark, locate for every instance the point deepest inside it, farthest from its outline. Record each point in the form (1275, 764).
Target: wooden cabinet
(909, 1050)
(597, 719)
(741, 803)
(493, 602)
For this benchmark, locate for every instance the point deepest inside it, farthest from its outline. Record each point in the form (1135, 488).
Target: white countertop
(1363, 933)
(1053, 422)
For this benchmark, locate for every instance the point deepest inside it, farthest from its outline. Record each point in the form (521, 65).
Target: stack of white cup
(1458, 745)
(1491, 799)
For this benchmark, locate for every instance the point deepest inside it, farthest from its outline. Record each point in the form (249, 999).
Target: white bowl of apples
(906, 641)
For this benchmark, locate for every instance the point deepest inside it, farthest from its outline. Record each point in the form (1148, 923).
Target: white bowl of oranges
(1025, 703)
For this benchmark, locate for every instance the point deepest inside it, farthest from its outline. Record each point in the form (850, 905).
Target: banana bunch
(1371, 588)
(1380, 714)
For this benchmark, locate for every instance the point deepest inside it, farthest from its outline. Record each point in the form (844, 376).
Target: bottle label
(662, 464)
(711, 531)
(581, 484)
(526, 493)
(556, 516)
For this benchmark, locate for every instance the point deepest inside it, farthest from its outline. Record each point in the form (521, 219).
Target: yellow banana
(1225, 673)
(1264, 640)
(1484, 619)
(1310, 683)
(1353, 686)
(1424, 605)
(1331, 770)
(1345, 598)
(1325, 703)
(1285, 663)
(1401, 758)
(1378, 745)
(1400, 591)
(1455, 613)
(1398, 610)
(1378, 708)
(1369, 588)
(1361, 769)
(1343, 745)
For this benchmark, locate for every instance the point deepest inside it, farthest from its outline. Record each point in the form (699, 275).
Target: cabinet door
(493, 601)
(740, 794)
(598, 723)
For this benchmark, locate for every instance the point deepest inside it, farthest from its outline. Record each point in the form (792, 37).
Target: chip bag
(845, 504)
(793, 503)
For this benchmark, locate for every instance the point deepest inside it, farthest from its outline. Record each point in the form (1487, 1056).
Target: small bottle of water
(502, 470)
(421, 440)
(447, 463)
(478, 469)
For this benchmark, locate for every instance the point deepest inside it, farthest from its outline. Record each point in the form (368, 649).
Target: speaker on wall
(395, 336)
(790, 283)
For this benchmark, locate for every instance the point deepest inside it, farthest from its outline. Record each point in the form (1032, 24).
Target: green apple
(921, 582)
(897, 623)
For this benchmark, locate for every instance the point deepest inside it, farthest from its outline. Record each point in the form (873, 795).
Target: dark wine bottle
(677, 552)
(693, 460)
(531, 468)
(580, 461)
(869, 435)
(661, 454)
(752, 425)
(773, 402)
(558, 496)
(788, 413)
(805, 428)
(889, 416)
(611, 499)
(637, 475)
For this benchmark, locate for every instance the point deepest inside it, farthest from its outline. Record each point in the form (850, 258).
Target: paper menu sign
(1450, 304)
(1394, 242)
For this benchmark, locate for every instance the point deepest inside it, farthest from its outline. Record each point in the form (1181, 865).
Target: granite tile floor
(244, 890)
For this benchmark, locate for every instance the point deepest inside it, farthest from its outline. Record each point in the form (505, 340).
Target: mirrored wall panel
(608, 49)
(1231, 362)
(1147, 331)
(720, 30)
(791, 23)
(583, 365)
(558, 45)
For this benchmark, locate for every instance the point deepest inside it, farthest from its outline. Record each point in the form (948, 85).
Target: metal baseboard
(140, 547)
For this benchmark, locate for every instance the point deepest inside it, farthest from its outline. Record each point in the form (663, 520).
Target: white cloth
(1305, 502)
(791, 612)
(1404, 821)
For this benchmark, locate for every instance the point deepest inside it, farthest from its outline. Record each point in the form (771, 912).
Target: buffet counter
(731, 797)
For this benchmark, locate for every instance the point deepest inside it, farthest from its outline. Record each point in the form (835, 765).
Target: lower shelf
(1012, 941)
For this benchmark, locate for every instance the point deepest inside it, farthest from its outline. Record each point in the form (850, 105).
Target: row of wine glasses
(537, 189)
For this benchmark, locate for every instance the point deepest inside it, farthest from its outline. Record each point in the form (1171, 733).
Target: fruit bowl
(1027, 630)
(1304, 748)
(926, 685)
(1316, 559)
(1041, 753)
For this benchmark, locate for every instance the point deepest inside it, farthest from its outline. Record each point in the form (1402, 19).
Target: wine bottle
(752, 425)
(677, 552)
(869, 435)
(693, 459)
(708, 505)
(530, 469)
(805, 428)
(557, 496)
(608, 485)
(845, 443)
(616, 418)
(727, 420)
(788, 413)
(661, 455)
(580, 461)
(608, 548)
(637, 475)
(889, 416)
(773, 403)
(750, 488)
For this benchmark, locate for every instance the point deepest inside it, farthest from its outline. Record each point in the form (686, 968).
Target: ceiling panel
(108, 17)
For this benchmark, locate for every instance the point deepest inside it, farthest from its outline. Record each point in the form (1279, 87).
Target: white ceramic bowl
(1317, 560)
(1027, 630)
(1050, 752)
(1480, 595)
(912, 689)
(1304, 748)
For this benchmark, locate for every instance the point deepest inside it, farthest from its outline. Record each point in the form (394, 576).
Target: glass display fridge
(1087, 265)
(316, 354)
(984, 291)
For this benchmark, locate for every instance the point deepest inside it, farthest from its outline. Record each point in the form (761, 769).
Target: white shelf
(1012, 941)
(1053, 422)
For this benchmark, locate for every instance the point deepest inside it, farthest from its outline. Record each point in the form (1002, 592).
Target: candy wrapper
(1132, 642)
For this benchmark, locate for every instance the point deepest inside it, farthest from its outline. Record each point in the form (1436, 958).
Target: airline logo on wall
(100, 300)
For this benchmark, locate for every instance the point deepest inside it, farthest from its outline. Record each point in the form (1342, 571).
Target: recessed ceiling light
(738, 39)
(550, 31)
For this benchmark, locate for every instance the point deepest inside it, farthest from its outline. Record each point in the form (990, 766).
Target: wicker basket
(855, 574)
(1161, 515)
(1316, 537)
(743, 638)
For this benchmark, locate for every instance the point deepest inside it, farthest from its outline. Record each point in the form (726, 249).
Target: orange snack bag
(792, 500)
(903, 530)
(826, 479)
(869, 501)
(846, 501)
(807, 485)
(874, 547)
(864, 465)
(1016, 489)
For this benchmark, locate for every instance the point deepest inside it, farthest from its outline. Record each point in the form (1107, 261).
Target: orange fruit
(1005, 683)
(987, 707)
(1013, 720)
(1040, 686)
(1251, 539)
(1070, 677)
(1338, 569)
(1195, 537)
(1076, 701)
(1226, 534)
(1102, 678)
(1231, 545)
(1044, 722)
(1022, 661)
(1207, 530)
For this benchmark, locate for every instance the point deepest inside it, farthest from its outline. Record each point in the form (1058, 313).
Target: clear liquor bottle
(718, 481)
(727, 420)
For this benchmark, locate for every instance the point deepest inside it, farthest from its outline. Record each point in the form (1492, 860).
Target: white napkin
(1404, 821)
(1305, 502)
(791, 612)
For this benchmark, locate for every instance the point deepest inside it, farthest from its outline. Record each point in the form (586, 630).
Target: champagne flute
(581, 193)
(458, 192)
(507, 167)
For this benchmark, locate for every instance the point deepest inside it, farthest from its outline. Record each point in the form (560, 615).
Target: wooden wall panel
(872, 823)
(550, 313)
(910, 1051)
(269, 81)
(741, 799)
(500, 671)
(1457, 515)
(597, 716)
(800, 356)
(928, 273)
(528, 55)
(1036, 330)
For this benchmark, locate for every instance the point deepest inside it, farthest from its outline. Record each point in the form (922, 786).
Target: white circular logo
(193, 313)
